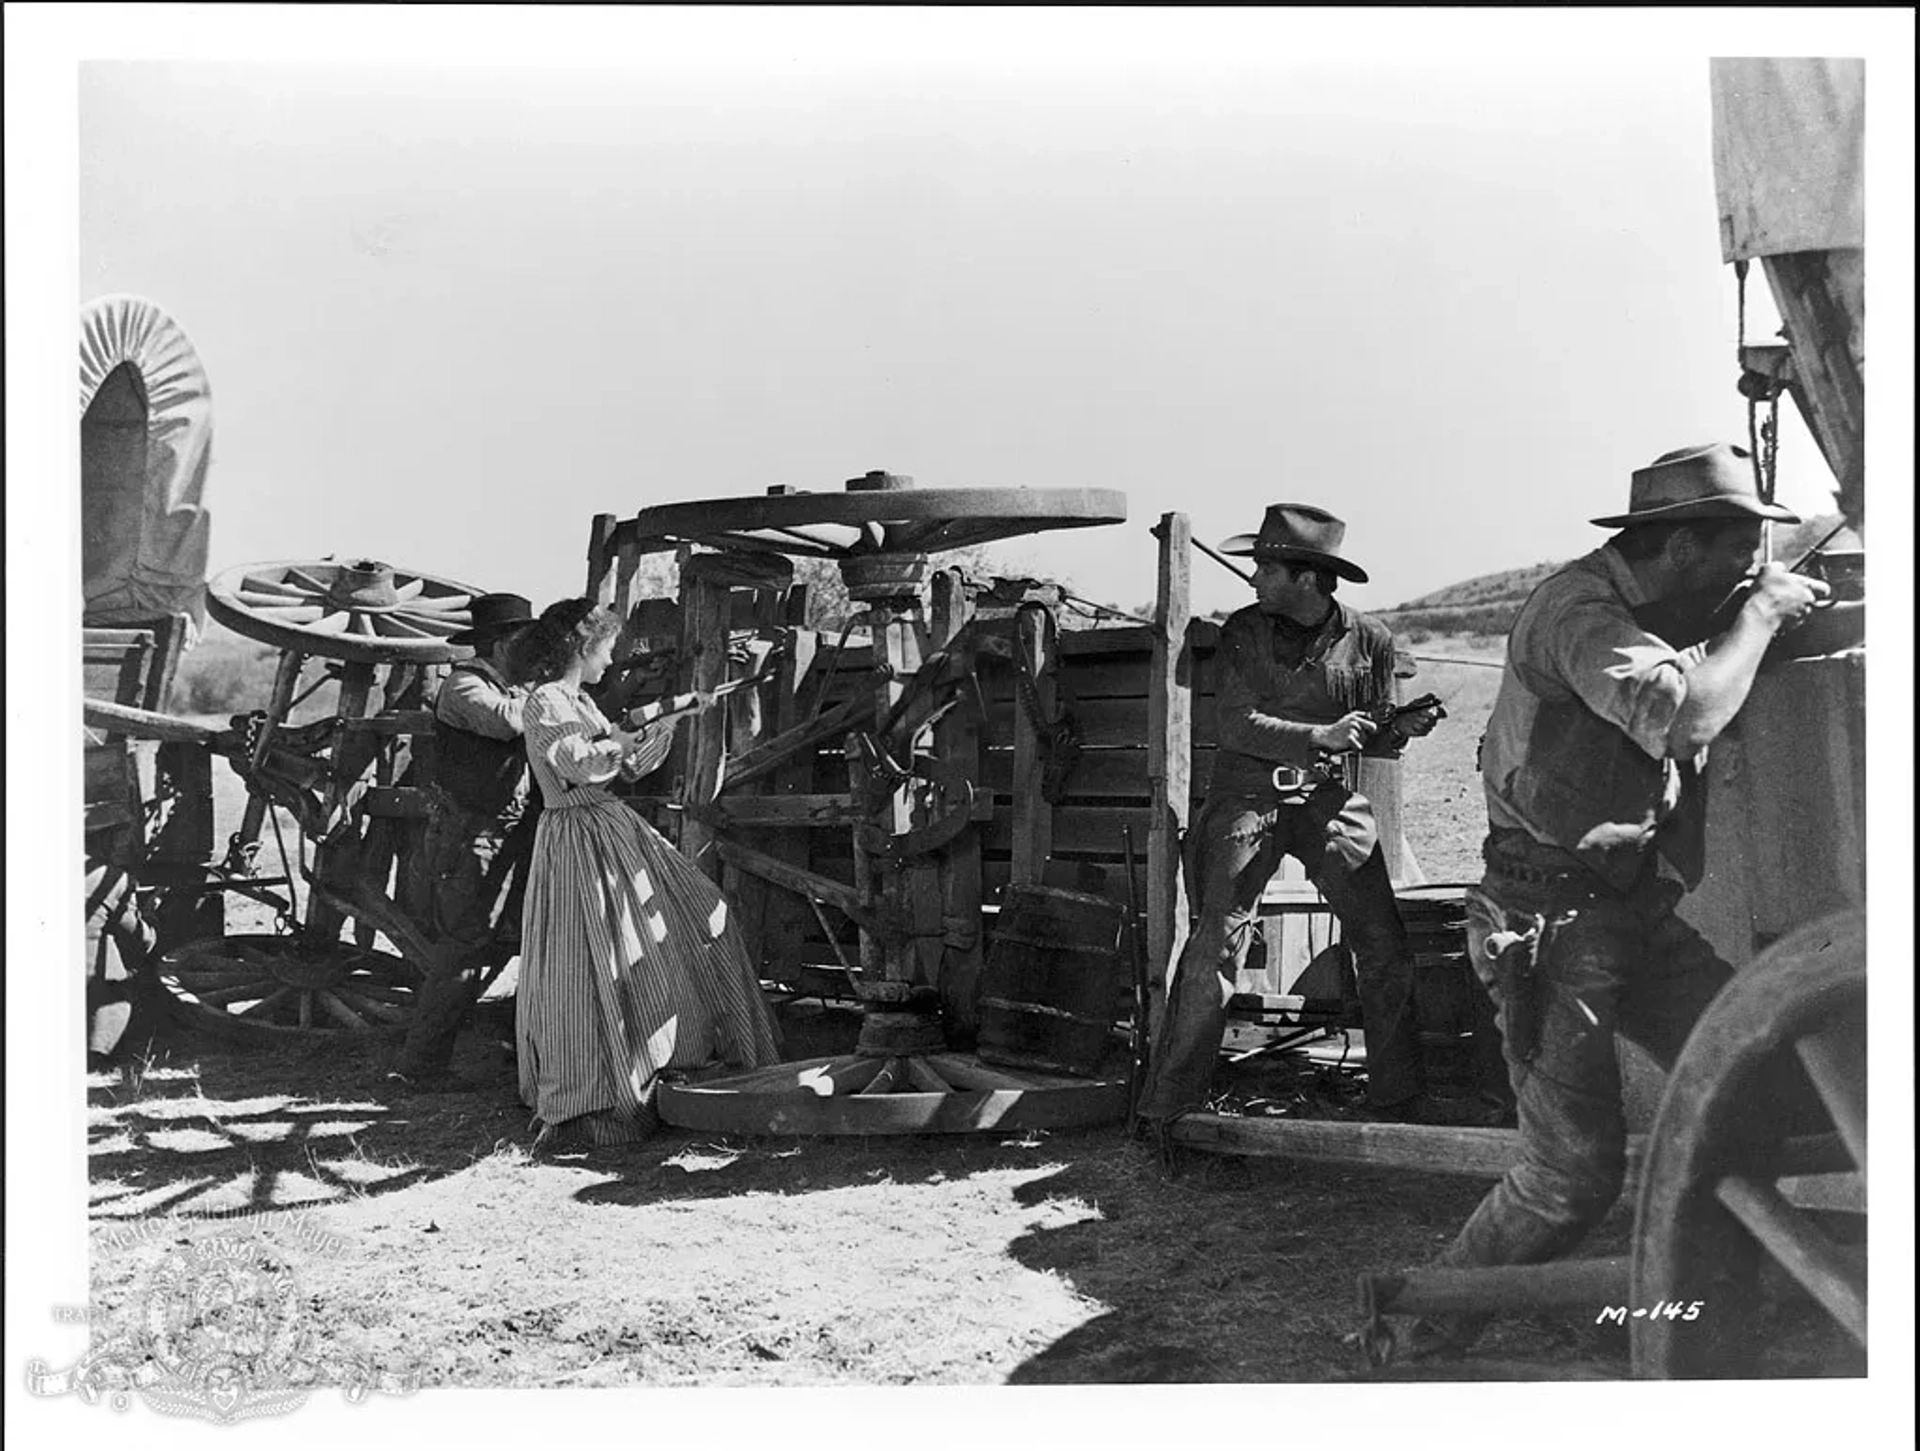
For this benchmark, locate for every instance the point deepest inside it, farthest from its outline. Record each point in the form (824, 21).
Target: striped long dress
(630, 959)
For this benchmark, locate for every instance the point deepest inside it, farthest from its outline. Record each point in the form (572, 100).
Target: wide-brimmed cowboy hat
(493, 616)
(1299, 534)
(1709, 481)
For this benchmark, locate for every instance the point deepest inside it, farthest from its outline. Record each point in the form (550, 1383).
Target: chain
(1770, 446)
(286, 920)
(1760, 477)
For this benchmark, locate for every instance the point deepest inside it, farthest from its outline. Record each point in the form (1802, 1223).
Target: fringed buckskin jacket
(1267, 708)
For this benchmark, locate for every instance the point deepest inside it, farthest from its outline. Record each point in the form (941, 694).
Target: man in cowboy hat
(1295, 674)
(482, 804)
(1590, 764)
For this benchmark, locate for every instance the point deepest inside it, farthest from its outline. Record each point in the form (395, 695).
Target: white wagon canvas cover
(146, 438)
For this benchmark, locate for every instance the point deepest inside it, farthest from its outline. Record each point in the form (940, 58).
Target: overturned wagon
(872, 801)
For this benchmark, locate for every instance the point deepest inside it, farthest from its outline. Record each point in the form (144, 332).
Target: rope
(1459, 660)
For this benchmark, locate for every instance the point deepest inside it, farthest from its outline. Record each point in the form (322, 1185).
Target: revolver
(1390, 739)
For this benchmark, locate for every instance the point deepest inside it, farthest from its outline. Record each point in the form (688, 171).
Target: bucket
(1054, 981)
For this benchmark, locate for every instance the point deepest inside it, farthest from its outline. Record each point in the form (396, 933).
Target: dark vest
(482, 775)
(1598, 796)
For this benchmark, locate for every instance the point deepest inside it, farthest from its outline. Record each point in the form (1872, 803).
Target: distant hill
(1483, 606)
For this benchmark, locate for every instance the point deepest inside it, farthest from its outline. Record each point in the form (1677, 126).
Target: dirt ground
(693, 1259)
(454, 1257)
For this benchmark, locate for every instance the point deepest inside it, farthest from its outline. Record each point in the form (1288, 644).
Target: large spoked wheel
(266, 987)
(362, 611)
(934, 1093)
(877, 516)
(1765, 1115)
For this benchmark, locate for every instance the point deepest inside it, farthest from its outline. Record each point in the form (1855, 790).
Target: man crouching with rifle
(1591, 765)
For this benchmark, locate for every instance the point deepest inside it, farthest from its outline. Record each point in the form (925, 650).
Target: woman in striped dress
(630, 960)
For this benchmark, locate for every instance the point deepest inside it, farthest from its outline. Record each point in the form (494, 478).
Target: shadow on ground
(1226, 1270)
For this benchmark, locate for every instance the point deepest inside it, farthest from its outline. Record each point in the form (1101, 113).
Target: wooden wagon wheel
(882, 531)
(363, 611)
(877, 514)
(267, 986)
(917, 1093)
(1771, 1084)
(385, 625)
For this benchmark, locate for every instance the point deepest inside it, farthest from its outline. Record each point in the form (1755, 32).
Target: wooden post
(1169, 744)
(703, 655)
(751, 897)
(787, 916)
(349, 757)
(1035, 645)
(626, 566)
(957, 743)
(897, 650)
(600, 557)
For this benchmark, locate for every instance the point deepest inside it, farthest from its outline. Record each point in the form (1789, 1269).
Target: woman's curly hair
(566, 630)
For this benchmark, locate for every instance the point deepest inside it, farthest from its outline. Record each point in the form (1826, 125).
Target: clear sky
(450, 311)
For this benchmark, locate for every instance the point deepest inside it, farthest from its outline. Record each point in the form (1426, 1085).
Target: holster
(1519, 989)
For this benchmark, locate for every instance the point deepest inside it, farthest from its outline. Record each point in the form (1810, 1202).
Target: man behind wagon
(1297, 672)
(1591, 763)
(483, 803)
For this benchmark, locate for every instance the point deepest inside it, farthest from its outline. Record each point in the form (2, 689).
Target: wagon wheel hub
(366, 585)
(366, 611)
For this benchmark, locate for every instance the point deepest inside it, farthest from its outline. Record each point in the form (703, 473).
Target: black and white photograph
(1167, 702)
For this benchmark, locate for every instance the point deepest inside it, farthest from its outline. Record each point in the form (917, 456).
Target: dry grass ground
(1069, 1257)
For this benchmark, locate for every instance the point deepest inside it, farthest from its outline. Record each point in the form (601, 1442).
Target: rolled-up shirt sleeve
(1240, 724)
(566, 740)
(473, 703)
(1628, 677)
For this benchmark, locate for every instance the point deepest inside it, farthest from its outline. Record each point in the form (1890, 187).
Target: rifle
(1685, 620)
(692, 701)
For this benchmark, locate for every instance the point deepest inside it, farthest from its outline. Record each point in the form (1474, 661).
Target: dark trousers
(1233, 851)
(1612, 965)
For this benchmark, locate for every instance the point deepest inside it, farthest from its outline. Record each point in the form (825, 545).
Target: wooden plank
(996, 874)
(1128, 722)
(600, 558)
(1083, 830)
(626, 567)
(788, 917)
(1099, 677)
(749, 717)
(815, 809)
(126, 720)
(956, 740)
(1170, 738)
(909, 893)
(1032, 823)
(1112, 772)
(703, 663)
(830, 726)
(795, 879)
(115, 665)
(1469, 1153)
